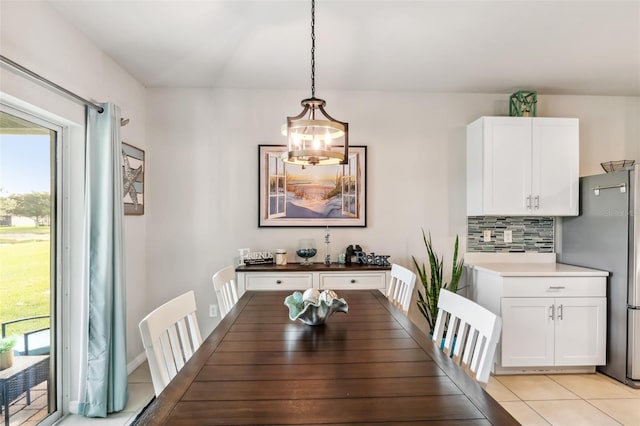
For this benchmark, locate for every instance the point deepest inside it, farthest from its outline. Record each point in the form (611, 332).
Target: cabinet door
(554, 181)
(580, 337)
(507, 165)
(527, 332)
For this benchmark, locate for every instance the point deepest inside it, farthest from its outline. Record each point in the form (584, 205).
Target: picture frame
(133, 168)
(312, 196)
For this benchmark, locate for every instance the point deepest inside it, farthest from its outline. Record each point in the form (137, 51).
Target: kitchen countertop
(537, 269)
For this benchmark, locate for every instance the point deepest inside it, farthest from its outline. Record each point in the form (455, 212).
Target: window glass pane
(27, 267)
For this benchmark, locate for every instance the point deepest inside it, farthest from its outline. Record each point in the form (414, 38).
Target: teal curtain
(103, 370)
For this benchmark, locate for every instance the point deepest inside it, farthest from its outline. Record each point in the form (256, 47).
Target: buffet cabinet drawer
(352, 281)
(288, 281)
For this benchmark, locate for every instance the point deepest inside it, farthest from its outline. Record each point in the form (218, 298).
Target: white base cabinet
(549, 321)
(553, 331)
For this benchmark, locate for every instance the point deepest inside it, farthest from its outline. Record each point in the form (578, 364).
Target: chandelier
(314, 137)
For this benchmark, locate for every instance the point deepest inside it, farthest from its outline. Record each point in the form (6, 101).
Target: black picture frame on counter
(311, 196)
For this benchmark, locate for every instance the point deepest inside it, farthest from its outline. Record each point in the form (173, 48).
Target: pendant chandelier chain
(313, 48)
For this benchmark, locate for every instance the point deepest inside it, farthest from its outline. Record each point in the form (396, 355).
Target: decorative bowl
(614, 166)
(316, 313)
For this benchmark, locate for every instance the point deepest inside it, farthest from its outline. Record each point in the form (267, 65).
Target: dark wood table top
(371, 365)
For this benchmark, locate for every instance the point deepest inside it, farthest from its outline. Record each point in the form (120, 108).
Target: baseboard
(136, 362)
(543, 370)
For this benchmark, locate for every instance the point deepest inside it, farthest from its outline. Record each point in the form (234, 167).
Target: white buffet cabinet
(553, 315)
(295, 276)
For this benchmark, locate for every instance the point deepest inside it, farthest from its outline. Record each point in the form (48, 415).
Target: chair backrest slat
(224, 282)
(170, 335)
(401, 286)
(471, 333)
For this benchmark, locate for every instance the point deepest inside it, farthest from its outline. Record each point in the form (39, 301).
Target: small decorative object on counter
(312, 307)
(327, 253)
(523, 103)
(259, 258)
(244, 252)
(281, 257)
(350, 254)
(306, 250)
(372, 259)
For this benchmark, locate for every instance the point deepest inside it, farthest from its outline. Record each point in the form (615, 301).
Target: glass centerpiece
(306, 250)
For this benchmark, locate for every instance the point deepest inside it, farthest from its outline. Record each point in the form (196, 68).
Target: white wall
(34, 36)
(202, 169)
(201, 150)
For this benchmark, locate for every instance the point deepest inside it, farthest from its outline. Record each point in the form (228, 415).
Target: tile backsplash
(529, 234)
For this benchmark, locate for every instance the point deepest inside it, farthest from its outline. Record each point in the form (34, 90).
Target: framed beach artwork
(133, 179)
(297, 196)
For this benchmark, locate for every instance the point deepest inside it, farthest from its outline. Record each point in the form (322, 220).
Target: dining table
(371, 365)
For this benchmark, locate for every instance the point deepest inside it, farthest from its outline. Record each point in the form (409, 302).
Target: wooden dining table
(370, 365)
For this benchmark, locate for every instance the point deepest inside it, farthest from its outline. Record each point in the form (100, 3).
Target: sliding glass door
(29, 266)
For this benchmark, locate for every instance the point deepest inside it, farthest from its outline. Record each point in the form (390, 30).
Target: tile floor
(567, 399)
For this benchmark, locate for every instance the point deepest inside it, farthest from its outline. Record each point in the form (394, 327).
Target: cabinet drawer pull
(529, 202)
(353, 281)
(556, 287)
(560, 312)
(551, 312)
(278, 281)
(536, 202)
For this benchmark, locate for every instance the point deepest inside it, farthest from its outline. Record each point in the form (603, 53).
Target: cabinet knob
(353, 281)
(278, 281)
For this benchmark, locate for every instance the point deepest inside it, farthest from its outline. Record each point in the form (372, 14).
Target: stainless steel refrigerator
(606, 236)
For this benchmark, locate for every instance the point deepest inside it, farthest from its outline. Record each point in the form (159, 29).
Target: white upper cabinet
(522, 166)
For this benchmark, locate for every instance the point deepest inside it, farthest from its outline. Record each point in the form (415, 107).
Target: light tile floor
(140, 393)
(567, 399)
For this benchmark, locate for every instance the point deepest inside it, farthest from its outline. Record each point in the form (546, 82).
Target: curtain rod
(50, 83)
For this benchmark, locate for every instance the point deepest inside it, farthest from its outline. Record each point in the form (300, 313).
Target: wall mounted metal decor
(305, 196)
(133, 179)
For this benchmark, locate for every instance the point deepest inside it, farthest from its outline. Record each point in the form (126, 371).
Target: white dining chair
(170, 335)
(470, 331)
(401, 287)
(224, 282)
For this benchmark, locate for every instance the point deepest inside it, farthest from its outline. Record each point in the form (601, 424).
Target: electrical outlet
(213, 310)
(508, 237)
(487, 236)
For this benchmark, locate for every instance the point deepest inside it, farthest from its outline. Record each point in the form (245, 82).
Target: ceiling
(553, 47)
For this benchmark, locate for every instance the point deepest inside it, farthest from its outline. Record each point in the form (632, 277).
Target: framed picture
(133, 179)
(297, 196)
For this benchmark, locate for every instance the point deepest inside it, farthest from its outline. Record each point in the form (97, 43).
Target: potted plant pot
(6, 352)
(6, 359)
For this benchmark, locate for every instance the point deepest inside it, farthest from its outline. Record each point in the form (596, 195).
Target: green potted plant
(433, 280)
(6, 351)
